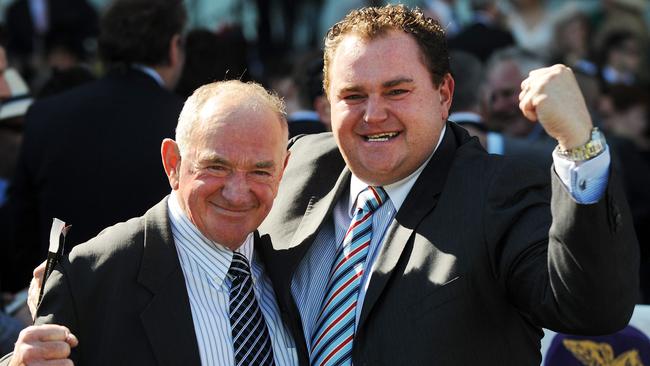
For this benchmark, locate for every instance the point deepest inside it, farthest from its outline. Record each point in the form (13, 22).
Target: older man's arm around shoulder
(46, 343)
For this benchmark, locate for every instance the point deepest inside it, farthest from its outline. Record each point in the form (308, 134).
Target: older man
(400, 241)
(182, 284)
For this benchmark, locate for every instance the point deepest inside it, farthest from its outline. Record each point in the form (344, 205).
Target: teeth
(380, 137)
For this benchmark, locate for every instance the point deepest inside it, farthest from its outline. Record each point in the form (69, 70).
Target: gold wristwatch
(590, 150)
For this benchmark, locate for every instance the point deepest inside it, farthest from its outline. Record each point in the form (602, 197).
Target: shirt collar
(397, 191)
(213, 258)
(151, 72)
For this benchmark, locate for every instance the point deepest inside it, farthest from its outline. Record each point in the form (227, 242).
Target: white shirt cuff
(586, 180)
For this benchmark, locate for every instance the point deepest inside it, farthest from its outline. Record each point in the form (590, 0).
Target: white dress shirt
(205, 265)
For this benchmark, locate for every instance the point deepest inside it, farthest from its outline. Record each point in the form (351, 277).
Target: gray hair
(255, 97)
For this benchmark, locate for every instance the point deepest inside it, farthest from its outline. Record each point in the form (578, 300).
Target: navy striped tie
(331, 342)
(250, 336)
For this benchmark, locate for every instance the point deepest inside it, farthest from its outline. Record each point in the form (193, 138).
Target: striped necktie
(250, 336)
(331, 342)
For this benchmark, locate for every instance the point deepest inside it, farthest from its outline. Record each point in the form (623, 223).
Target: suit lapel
(420, 201)
(319, 210)
(168, 318)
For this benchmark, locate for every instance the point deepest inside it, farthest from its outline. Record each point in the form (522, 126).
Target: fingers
(526, 103)
(38, 271)
(48, 333)
(64, 362)
(551, 95)
(37, 351)
(35, 288)
(72, 340)
(533, 90)
(44, 343)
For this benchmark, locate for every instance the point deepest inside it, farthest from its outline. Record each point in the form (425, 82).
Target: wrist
(579, 139)
(592, 147)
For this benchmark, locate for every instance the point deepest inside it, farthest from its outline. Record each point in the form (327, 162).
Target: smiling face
(386, 112)
(228, 177)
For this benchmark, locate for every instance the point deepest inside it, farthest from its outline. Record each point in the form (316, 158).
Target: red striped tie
(331, 342)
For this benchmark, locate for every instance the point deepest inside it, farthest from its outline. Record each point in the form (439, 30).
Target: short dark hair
(374, 22)
(140, 31)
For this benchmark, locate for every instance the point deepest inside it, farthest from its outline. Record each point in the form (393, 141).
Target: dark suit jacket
(469, 270)
(91, 157)
(123, 295)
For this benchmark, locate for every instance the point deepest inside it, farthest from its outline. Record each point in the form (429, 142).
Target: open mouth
(381, 137)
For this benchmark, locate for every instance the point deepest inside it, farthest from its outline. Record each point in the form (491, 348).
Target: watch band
(594, 147)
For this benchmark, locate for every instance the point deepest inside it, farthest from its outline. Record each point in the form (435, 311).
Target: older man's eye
(262, 173)
(217, 169)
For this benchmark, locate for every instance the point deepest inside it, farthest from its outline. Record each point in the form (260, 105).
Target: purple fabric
(629, 344)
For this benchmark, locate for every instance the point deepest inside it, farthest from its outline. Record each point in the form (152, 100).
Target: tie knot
(239, 266)
(371, 198)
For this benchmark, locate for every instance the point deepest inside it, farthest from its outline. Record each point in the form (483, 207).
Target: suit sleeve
(573, 268)
(58, 305)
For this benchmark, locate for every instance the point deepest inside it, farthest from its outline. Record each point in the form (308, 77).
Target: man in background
(89, 155)
(312, 115)
(466, 110)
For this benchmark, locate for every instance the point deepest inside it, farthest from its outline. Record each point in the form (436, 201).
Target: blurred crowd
(79, 134)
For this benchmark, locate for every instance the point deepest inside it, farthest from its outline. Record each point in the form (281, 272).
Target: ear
(171, 159)
(446, 90)
(286, 161)
(284, 166)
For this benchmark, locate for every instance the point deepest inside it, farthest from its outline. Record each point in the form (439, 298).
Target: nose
(375, 109)
(236, 190)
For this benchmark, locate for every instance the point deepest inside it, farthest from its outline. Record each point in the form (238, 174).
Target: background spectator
(80, 146)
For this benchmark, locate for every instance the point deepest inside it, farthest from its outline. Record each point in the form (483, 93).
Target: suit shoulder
(313, 145)
(120, 242)
(316, 152)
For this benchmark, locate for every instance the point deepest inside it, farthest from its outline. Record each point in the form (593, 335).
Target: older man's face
(386, 112)
(230, 176)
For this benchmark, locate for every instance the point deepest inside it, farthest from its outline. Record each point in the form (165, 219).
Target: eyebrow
(216, 159)
(264, 164)
(396, 82)
(386, 84)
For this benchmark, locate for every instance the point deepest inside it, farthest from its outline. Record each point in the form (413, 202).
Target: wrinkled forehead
(238, 116)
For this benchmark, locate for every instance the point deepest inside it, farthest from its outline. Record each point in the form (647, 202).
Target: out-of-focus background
(49, 54)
